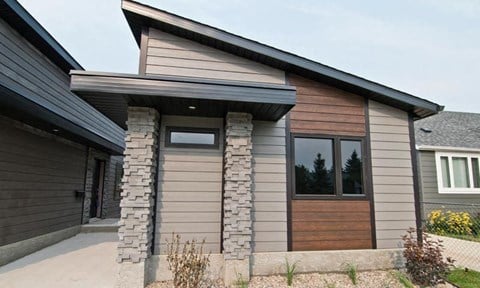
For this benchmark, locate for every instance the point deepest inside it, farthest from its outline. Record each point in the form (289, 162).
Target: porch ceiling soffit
(113, 93)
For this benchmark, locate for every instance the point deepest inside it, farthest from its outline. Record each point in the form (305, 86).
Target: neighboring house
(58, 166)
(448, 147)
(255, 150)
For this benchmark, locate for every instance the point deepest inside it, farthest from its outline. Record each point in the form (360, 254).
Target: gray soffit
(18, 18)
(112, 93)
(449, 129)
(140, 15)
(19, 107)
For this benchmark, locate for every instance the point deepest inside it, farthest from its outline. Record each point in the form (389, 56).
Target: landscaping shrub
(424, 261)
(187, 265)
(443, 223)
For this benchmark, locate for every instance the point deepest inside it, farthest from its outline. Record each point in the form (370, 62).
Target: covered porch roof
(112, 93)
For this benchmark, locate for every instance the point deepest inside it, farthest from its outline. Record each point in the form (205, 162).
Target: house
(60, 158)
(262, 153)
(448, 147)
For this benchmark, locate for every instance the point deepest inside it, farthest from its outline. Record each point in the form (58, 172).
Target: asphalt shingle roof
(452, 129)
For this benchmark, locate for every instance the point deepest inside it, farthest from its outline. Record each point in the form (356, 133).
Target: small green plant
(424, 260)
(330, 285)
(187, 264)
(290, 271)
(352, 272)
(241, 282)
(403, 279)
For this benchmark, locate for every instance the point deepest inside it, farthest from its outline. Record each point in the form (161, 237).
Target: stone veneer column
(237, 232)
(136, 223)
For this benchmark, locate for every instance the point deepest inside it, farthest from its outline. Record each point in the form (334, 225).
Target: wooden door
(97, 189)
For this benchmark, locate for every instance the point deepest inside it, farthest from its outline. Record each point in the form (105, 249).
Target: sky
(428, 48)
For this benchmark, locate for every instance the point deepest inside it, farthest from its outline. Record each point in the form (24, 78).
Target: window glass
(314, 167)
(445, 172)
(201, 138)
(352, 178)
(460, 172)
(476, 173)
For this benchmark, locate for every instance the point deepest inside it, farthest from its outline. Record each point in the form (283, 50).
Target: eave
(112, 93)
(139, 15)
(17, 17)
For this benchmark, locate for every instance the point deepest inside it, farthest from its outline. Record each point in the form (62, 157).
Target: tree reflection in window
(314, 169)
(351, 167)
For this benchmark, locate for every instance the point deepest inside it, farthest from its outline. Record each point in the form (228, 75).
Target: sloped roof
(449, 129)
(140, 15)
(19, 18)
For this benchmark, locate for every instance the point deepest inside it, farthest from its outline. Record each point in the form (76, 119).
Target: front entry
(97, 189)
(189, 199)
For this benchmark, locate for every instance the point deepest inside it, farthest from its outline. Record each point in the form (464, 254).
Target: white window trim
(453, 190)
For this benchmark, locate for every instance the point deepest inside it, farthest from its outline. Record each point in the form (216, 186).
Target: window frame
(453, 190)
(337, 158)
(199, 130)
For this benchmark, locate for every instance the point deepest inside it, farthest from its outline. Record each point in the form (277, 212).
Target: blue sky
(429, 48)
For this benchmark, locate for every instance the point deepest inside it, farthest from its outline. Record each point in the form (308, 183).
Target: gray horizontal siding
(25, 70)
(171, 55)
(392, 174)
(189, 188)
(38, 176)
(269, 187)
(429, 184)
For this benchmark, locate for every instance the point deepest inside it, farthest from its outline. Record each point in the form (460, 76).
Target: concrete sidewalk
(85, 260)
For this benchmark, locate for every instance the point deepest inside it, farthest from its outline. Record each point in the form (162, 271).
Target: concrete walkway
(465, 253)
(85, 260)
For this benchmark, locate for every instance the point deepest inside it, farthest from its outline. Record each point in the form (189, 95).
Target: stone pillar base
(131, 275)
(236, 270)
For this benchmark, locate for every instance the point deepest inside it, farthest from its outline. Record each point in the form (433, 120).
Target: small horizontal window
(191, 137)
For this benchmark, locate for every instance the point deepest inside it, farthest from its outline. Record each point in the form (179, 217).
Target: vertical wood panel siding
(38, 176)
(171, 55)
(330, 225)
(269, 187)
(429, 184)
(323, 109)
(23, 68)
(392, 174)
(189, 188)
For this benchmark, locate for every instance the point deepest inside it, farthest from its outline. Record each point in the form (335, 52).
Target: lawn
(464, 278)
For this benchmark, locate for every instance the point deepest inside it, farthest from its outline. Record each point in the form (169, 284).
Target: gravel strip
(370, 279)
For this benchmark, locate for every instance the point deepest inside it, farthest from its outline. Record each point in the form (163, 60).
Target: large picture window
(328, 166)
(458, 172)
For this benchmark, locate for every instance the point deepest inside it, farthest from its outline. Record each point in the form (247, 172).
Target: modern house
(262, 153)
(448, 147)
(60, 158)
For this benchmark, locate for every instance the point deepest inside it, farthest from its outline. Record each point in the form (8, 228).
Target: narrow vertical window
(475, 173)
(352, 178)
(460, 172)
(314, 167)
(445, 172)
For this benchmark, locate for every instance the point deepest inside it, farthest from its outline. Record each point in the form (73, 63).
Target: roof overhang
(112, 93)
(20, 108)
(140, 15)
(447, 149)
(17, 17)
